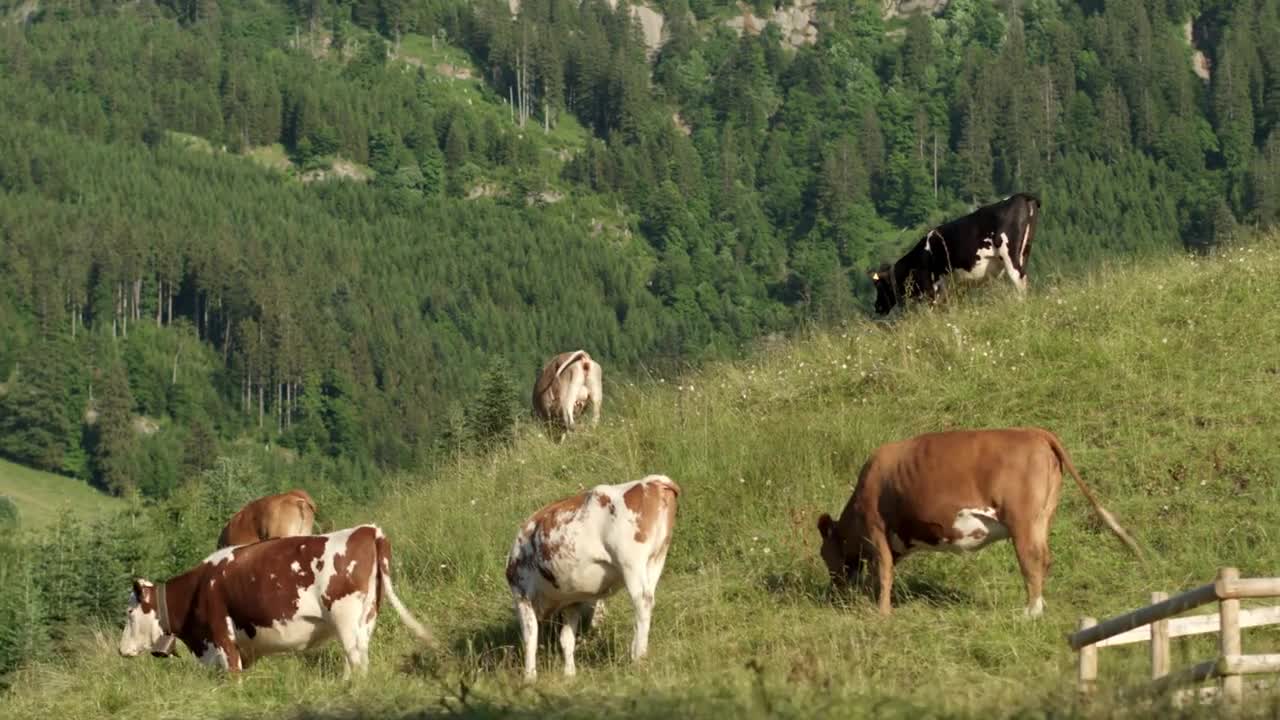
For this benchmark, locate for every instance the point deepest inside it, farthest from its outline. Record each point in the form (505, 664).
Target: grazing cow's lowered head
(992, 240)
(564, 387)
(886, 287)
(282, 595)
(274, 516)
(572, 554)
(142, 628)
(955, 491)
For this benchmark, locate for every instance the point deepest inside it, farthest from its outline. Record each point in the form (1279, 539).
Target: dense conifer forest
(319, 225)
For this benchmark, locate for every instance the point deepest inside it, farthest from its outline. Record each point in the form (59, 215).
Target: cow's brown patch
(650, 501)
(551, 517)
(262, 604)
(362, 549)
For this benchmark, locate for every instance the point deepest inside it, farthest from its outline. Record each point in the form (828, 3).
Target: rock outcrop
(796, 21)
(1199, 63)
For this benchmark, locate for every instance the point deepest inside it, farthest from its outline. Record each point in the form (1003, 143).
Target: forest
(165, 299)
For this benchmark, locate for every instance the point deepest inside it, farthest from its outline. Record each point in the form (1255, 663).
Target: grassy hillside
(1160, 379)
(41, 497)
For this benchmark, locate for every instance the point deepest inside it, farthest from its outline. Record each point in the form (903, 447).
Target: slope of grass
(42, 497)
(1160, 379)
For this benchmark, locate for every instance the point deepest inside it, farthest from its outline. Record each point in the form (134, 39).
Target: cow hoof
(1034, 610)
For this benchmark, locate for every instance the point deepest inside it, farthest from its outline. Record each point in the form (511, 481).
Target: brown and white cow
(955, 491)
(566, 384)
(275, 596)
(573, 553)
(274, 516)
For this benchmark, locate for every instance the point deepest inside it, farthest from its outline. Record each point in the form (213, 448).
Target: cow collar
(163, 646)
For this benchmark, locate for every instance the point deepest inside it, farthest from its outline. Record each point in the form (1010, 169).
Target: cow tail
(306, 512)
(1103, 513)
(384, 588)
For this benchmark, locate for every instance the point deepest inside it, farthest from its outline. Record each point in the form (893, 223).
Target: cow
(564, 387)
(281, 595)
(571, 554)
(273, 516)
(991, 240)
(955, 491)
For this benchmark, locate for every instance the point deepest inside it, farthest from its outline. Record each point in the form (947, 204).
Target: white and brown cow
(989, 241)
(275, 596)
(955, 491)
(274, 516)
(573, 553)
(565, 386)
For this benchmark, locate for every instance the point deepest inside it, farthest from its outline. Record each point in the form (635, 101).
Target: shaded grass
(1160, 379)
(42, 497)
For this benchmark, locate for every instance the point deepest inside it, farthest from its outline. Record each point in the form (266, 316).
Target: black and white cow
(993, 239)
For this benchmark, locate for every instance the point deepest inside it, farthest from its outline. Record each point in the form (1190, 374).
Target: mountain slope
(1158, 377)
(41, 497)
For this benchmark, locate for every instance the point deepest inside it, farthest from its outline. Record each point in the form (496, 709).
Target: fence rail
(1152, 624)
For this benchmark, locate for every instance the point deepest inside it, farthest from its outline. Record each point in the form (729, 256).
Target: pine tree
(492, 419)
(115, 441)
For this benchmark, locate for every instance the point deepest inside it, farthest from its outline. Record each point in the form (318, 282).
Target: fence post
(1087, 672)
(1159, 641)
(1229, 638)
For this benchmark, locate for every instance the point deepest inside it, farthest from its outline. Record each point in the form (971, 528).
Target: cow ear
(824, 525)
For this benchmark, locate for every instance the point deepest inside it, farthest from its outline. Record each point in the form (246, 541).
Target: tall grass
(1161, 379)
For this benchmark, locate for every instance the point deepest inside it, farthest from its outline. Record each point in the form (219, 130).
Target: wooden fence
(1152, 624)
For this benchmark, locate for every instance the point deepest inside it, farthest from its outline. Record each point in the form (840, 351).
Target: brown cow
(276, 596)
(274, 516)
(955, 491)
(566, 384)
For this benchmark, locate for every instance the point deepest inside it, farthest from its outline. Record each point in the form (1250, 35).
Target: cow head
(833, 551)
(142, 629)
(886, 293)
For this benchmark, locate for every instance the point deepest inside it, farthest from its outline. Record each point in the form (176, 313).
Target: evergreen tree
(491, 420)
(115, 440)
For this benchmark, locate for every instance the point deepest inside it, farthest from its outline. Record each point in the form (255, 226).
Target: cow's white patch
(231, 627)
(351, 566)
(978, 527)
(982, 264)
(211, 583)
(294, 566)
(226, 554)
(214, 655)
(1022, 255)
(272, 576)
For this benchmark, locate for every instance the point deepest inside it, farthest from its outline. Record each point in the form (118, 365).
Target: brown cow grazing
(572, 554)
(274, 516)
(566, 384)
(955, 491)
(276, 596)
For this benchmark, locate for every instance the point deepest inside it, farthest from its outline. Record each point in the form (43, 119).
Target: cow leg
(529, 634)
(1015, 274)
(884, 567)
(1033, 557)
(636, 578)
(594, 613)
(348, 616)
(569, 618)
(222, 653)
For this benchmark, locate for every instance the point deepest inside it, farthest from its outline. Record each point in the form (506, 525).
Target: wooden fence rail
(1153, 624)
